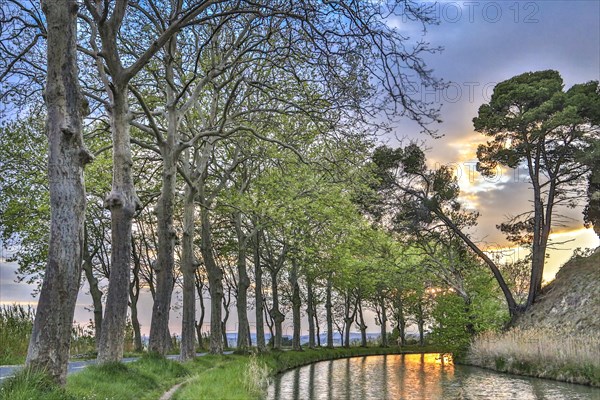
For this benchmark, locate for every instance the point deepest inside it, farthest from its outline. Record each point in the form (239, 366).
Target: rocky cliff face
(570, 303)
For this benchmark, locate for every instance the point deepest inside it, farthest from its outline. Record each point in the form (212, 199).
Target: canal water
(414, 377)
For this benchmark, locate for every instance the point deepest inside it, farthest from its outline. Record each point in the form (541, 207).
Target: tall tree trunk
(317, 326)
(260, 326)
(215, 280)
(199, 291)
(383, 320)
(243, 285)
(135, 323)
(328, 309)
(348, 318)
(310, 313)
(276, 313)
(188, 268)
(95, 291)
(122, 202)
(362, 324)
(134, 295)
(401, 322)
(270, 323)
(50, 339)
(421, 323)
(543, 223)
(159, 340)
(296, 304)
(226, 302)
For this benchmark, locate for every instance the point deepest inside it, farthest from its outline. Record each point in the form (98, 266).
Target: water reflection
(414, 377)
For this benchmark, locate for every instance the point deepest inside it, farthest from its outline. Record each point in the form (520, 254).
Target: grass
(29, 385)
(16, 323)
(540, 353)
(144, 379)
(231, 377)
(238, 377)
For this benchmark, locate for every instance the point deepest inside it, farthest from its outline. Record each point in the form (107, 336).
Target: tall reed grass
(256, 375)
(539, 352)
(16, 322)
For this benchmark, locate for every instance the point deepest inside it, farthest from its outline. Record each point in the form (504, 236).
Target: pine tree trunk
(50, 339)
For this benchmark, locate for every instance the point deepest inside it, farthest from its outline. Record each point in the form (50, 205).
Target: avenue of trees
(228, 150)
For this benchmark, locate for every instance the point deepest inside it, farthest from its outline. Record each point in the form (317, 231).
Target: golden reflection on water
(416, 376)
(413, 377)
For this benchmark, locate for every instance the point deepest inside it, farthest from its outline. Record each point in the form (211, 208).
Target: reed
(542, 353)
(16, 322)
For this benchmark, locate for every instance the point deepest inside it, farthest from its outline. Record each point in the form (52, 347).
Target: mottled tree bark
(226, 303)
(258, 296)
(215, 281)
(383, 321)
(188, 268)
(328, 309)
(122, 203)
(134, 295)
(159, 340)
(276, 313)
(361, 323)
(95, 292)
(200, 292)
(421, 323)
(348, 316)
(296, 304)
(310, 313)
(243, 285)
(401, 321)
(317, 326)
(50, 339)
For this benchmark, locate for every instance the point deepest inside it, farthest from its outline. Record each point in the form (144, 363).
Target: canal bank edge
(557, 338)
(260, 366)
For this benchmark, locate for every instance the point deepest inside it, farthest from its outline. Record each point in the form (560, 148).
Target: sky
(485, 42)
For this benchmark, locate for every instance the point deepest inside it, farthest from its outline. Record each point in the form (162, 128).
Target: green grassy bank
(213, 377)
